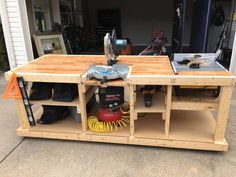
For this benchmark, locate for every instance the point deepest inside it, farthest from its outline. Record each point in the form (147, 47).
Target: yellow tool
(101, 127)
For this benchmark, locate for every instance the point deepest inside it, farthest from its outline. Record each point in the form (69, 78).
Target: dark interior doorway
(108, 19)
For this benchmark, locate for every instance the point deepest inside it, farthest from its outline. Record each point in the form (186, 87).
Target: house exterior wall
(16, 32)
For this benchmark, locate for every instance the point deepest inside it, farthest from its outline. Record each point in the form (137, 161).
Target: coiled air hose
(101, 127)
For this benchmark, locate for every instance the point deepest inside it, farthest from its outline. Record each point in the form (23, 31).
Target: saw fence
(172, 121)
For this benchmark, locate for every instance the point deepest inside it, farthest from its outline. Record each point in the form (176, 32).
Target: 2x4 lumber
(223, 111)
(201, 106)
(83, 110)
(180, 144)
(168, 109)
(132, 111)
(22, 115)
(126, 140)
(182, 80)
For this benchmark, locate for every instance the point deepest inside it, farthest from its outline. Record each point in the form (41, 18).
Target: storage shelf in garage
(194, 103)
(196, 126)
(150, 126)
(66, 125)
(158, 103)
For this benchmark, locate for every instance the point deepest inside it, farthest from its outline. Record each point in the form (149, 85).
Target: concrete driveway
(55, 158)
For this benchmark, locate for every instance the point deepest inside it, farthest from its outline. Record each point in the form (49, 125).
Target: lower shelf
(66, 125)
(188, 129)
(192, 126)
(150, 126)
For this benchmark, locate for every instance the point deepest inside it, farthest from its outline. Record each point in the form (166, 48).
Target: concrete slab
(8, 123)
(55, 158)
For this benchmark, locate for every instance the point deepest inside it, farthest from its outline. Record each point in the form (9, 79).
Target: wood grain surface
(78, 64)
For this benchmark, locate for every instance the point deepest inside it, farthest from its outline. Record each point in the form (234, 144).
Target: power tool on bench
(112, 70)
(147, 92)
(198, 62)
(114, 111)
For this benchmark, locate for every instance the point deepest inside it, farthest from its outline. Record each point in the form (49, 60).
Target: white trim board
(233, 57)
(7, 34)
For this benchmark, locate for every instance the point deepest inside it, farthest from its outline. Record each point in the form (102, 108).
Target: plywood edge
(45, 77)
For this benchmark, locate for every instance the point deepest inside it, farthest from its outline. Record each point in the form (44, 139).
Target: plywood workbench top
(69, 64)
(76, 65)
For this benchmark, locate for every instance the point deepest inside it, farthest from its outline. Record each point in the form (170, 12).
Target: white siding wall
(16, 32)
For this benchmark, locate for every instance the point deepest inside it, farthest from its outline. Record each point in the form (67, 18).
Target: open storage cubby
(158, 101)
(194, 99)
(149, 125)
(120, 132)
(51, 102)
(67, 127)
(192, 126)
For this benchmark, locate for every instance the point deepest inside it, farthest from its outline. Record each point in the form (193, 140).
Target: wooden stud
(182, 80)
(126, 140)
(83, 111)
(223, 110)
(132, 113)
(168, 109)
(22, 114)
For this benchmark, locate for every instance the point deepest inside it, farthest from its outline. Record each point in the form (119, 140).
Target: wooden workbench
(179, 122)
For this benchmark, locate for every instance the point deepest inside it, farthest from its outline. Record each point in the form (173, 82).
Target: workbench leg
(22, 114)
(223, 110)
(168, 109)
(132, 113)
(83, 107)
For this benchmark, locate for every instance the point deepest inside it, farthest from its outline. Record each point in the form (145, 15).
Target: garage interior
(188, 25)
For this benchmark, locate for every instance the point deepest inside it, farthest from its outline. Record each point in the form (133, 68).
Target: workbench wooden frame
(167, 115)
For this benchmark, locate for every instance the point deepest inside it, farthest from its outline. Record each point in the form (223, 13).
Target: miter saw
(111, 71)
